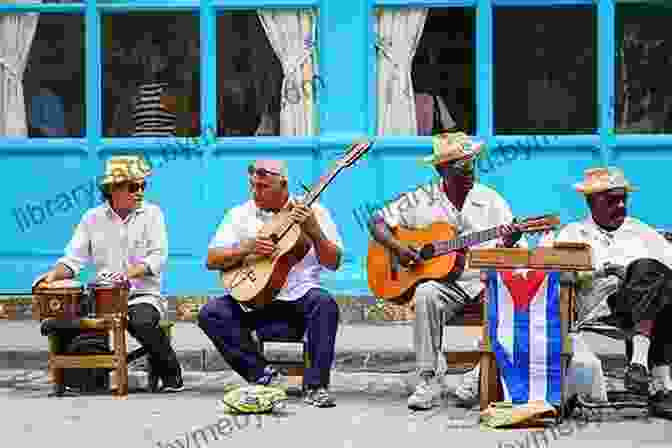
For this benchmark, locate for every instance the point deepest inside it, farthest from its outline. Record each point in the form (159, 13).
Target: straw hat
(602, 179)
(125, 168)
(451, 146)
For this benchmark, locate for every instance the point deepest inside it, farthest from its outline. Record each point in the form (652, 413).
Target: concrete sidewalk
(360, 347)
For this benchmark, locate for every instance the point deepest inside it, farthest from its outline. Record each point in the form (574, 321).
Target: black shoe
(661, 404)
(172, 383)
(637, 379)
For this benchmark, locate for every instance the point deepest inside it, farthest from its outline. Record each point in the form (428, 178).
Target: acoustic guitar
(389, 280)
(258, 279)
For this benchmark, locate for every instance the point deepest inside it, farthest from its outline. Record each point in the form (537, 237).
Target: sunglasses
(260, 172)
(134, 188)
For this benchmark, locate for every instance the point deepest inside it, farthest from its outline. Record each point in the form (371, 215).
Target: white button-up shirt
(113, 244)
(246, 220)
(483, 209)
(632, 240)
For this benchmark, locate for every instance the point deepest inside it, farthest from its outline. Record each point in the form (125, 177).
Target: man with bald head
(301, 306)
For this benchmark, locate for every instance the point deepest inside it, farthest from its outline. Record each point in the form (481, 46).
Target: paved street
(373, 416)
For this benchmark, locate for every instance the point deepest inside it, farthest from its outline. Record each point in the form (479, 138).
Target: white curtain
(398, 33)
(292, 36)
(16, 37)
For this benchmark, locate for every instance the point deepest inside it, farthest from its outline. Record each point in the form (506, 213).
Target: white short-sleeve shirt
(631, 241)
(246, 220)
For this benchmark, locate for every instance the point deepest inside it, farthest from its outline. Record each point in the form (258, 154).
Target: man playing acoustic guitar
(468, 206)
(300, 306)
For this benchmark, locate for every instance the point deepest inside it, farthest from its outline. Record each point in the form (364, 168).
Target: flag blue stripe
(554, 338)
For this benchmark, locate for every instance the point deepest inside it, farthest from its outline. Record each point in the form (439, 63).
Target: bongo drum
(110, 298)
(60, 300)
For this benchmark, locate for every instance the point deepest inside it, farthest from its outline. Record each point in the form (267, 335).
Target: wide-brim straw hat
(120, 169)
(602, 179)
(453, 146)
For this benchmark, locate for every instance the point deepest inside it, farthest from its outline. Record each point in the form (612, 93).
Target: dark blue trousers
(229, 328)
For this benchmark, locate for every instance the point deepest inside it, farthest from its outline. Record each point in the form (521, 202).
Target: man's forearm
(223, 259)
(328, 253)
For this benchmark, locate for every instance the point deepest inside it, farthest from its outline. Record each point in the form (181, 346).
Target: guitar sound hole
(274, 238)
(427, 251)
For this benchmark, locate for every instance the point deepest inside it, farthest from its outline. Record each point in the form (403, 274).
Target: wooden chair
(561, 257)
(116, 325)
(295, 369)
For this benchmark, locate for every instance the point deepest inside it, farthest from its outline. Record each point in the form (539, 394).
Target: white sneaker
(427, 395)
(468, 389)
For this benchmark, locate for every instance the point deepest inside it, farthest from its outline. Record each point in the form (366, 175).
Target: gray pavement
(194, 419)
(360, 347)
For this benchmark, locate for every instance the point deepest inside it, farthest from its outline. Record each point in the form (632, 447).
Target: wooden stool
(116, 360)
(295, 369)
(568, 257)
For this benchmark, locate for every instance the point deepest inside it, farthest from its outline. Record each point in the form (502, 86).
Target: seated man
(128, 235)
(631, 286)
(301, 306)
(468, 206)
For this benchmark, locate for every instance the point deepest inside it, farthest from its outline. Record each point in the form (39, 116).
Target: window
(256, 96)
(545, 70)
(151, 75)
(643, 99)
(53, 79)
(441, 93)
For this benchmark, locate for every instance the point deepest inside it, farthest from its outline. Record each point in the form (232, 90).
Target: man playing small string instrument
(301, 306)
(468, 206)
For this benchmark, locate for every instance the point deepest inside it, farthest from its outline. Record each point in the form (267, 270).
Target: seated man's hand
(408, 255)
(264, 246)
(136, 271)
(614, 269)
(304, 216)
(48, 279)
(511, 236)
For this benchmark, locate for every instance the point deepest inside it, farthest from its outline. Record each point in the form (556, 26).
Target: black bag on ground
(88, 380)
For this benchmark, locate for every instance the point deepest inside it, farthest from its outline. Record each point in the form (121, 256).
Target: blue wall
(195, 192)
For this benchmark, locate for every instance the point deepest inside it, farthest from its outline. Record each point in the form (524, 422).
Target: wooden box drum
(61, 300)
(110, 298)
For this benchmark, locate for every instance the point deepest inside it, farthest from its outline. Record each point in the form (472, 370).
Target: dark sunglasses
(134, 188)
(260, 172)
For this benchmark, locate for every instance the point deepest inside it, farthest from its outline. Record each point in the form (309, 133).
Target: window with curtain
(426, 76)
(268, 81)
(151, 74)
(42, 75)
(643, 99)
(545, 70)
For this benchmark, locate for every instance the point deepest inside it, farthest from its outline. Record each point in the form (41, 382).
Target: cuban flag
(525, 332)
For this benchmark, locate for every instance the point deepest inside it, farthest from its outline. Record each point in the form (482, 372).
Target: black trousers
(143, 325)
(646, 294)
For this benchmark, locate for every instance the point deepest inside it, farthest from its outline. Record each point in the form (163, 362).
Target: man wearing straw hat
(126, 238)
(631, 286)
(470, 207)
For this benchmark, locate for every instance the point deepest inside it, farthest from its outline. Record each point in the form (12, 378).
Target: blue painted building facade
(48, 183)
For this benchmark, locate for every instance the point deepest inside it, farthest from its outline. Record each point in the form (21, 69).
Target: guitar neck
(472, 239)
